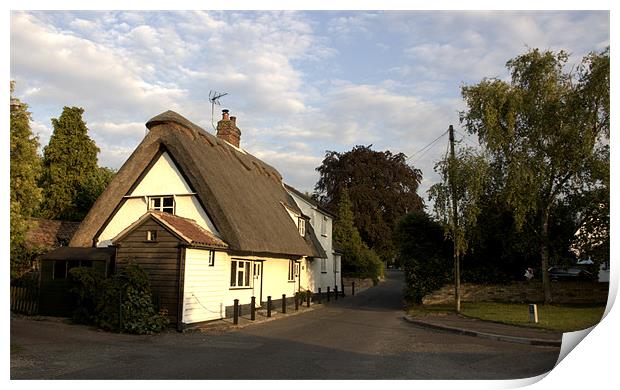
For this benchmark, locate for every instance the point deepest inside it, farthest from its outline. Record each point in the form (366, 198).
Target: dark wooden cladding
(160, 259)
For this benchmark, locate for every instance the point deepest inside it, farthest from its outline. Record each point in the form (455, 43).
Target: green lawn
(561, 318)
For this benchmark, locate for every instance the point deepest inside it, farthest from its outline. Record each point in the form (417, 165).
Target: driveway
(361, 337)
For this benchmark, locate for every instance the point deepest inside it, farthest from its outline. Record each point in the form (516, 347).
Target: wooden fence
(24, 300)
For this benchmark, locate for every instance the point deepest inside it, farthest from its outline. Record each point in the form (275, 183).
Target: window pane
(247, 274)
(233, 273)
(240, 277)
(156, 203)
(168, 201)
(60, 269)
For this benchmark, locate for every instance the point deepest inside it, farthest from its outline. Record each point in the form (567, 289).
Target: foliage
(25, 194)
(546, 133)
(99, 298)
(463, 178)
(357, 259)
(69, 167)
(424, 255)
(382, 188)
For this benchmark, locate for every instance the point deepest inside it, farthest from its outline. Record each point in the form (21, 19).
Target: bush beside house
(120, 303)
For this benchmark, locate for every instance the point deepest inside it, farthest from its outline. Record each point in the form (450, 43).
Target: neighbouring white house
(321, 273)
(209, 223)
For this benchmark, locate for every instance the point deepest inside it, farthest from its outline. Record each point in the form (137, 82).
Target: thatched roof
(242, 195)
(309, 200)
(185, 229)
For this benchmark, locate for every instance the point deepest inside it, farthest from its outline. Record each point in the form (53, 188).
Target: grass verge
(560, 318)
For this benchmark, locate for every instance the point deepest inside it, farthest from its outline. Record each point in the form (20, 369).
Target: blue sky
(300, 83)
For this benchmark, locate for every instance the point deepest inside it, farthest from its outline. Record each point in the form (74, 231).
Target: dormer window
(302, 227)
(162, 203)
(151, 235)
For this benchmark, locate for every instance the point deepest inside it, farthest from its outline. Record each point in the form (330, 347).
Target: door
(257, 285)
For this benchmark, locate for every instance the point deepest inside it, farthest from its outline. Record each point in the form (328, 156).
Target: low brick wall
(360, 284)
(524, 292)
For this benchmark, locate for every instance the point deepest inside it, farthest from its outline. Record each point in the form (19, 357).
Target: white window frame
(302, 226)
(292, 270)
(323, 266)
(245, 272)
(211, 258)
(161, 207)
(324, 226)
(336, 264)
(151, 235)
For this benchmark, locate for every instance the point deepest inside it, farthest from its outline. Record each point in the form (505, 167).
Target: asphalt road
(361, 337)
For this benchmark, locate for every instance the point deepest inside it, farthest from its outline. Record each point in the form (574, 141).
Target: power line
(428, 146)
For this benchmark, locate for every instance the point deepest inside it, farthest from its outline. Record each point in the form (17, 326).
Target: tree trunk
(544, 255)
(457, 282)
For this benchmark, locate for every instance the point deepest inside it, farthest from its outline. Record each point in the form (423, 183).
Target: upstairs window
(323, 266)
(302, 227)
(162, 203)
(151, 235)
(324, 226)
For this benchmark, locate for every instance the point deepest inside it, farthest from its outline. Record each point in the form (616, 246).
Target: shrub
(424, 256)
(128, 293)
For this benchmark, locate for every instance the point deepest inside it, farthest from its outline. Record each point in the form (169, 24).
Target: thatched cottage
(209, 222)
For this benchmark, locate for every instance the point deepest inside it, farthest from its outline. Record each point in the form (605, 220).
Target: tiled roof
(49, 233)
(189, 230)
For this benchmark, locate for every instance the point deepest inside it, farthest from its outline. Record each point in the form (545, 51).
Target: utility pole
(457, 270)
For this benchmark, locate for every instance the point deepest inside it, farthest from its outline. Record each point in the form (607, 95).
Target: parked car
(569, 273)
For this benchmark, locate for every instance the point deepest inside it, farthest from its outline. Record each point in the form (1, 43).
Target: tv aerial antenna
(214, 98)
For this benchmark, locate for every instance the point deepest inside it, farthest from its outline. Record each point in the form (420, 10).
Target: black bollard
(342, 291)
(319, 297)
(296, 301)
(253, 308)
(336, 292)
(269, 306)
(283, 303)
(352, 288)
(328, 294)
(307, 298)
(236, 312)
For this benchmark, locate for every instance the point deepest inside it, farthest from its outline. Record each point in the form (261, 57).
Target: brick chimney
(227, 129)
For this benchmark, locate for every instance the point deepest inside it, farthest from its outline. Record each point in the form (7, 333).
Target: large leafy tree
(546, 131)
(25, 169)
(69, 168)
(357, 258)
(382, 188)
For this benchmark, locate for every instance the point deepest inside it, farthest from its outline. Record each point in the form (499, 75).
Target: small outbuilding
(55, 298)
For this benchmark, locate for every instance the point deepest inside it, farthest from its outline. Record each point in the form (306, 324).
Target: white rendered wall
(162, 179)
(319, 279)
(207, 289)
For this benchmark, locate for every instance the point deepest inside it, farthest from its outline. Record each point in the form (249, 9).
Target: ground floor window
(62, 267)
(240, 273)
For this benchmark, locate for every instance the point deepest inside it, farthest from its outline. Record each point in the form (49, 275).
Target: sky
(299, 83)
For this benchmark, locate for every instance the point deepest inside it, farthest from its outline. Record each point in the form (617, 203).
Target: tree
(423, 254)
(357, 258)
(546, 131)
(69, 168)
(456, 201)
(25, 194)
(382, 186)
